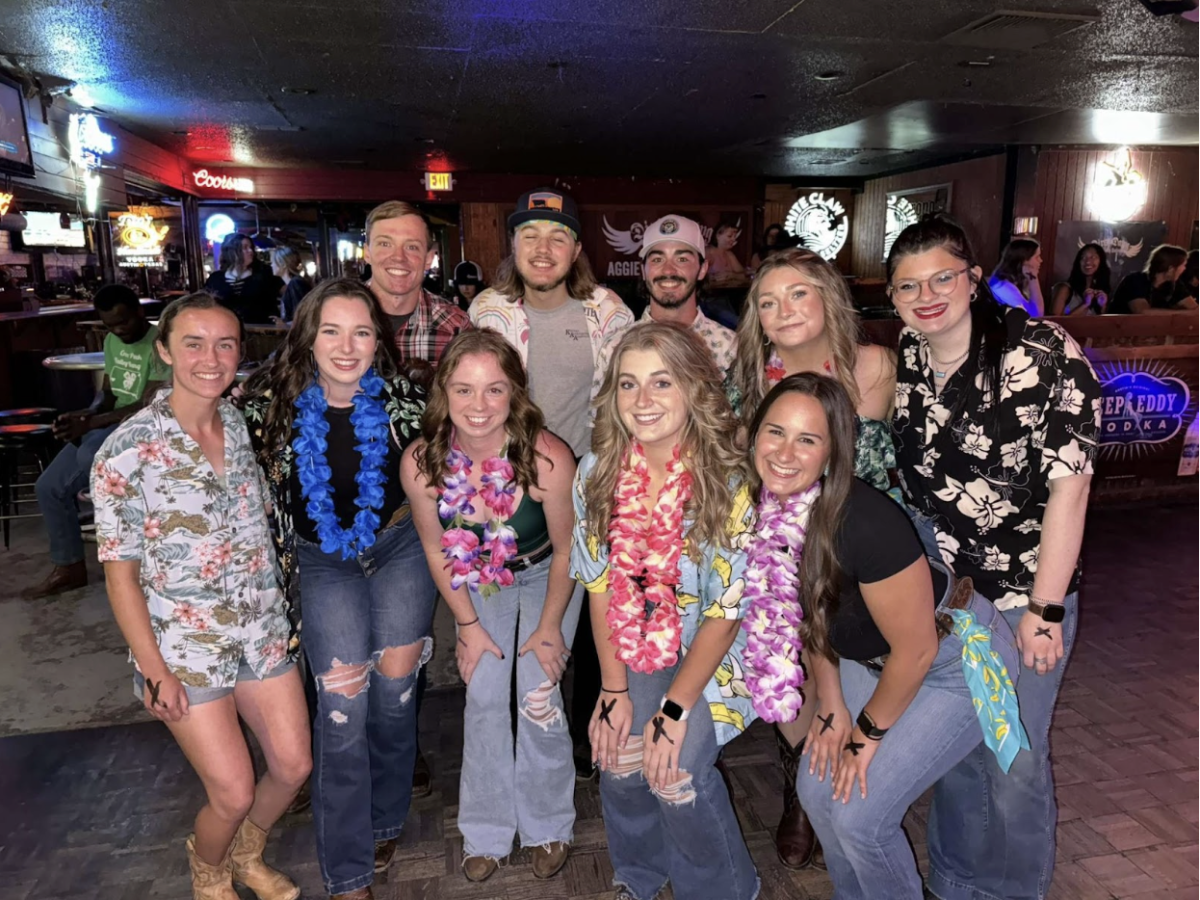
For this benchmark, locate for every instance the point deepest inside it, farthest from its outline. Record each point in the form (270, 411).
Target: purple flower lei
(479, 566)
(772, 655)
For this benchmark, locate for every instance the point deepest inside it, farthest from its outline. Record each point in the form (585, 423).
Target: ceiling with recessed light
(833, 88)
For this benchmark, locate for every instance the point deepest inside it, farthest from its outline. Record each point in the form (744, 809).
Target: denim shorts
(198, 695)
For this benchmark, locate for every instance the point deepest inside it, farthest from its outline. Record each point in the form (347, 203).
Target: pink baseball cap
(673, 228)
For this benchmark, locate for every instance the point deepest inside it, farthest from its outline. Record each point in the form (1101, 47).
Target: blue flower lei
(370, 421)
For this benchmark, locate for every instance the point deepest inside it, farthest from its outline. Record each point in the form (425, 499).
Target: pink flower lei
(772, 656)
(478, 565)
(774, 372)
(644, 553)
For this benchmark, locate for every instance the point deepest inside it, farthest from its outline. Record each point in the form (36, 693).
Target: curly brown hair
(841, 326)
(525, 422)
(293, 367)
(706, 442)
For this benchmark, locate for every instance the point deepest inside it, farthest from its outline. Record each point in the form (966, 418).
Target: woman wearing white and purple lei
(903, 653)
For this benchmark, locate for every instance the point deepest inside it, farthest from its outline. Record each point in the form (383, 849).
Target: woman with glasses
(996, 424)
(797, 318)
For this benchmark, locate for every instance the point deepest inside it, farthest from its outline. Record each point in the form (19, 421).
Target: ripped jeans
(365, 733)
(527, 790)
(689, 836)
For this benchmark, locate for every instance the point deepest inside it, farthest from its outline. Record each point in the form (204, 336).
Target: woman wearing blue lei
(331, 417)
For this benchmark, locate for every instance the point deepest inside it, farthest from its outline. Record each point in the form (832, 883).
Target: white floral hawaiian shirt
(207, 560)
(984, 478)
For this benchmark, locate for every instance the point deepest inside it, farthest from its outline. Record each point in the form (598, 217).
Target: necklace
(478, 565)
(772, 655)
(940, 368)
(644, 552)
(370, 421)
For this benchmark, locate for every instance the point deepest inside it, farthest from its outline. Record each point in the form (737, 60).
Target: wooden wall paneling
(484, 238)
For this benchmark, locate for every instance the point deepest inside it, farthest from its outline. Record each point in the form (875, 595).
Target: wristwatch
(867, 726)
(673, 710)
(1047, 612)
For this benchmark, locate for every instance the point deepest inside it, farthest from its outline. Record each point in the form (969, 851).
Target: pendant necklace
(944, 366)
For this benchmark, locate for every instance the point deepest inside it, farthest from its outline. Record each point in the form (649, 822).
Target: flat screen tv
(15, 156)
(44, 229)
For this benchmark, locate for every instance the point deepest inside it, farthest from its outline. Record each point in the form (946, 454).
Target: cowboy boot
(795, 838)
(250, 870)
(209, 882)
(60, 580)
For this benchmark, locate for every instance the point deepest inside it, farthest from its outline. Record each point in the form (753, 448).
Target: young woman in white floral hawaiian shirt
(996, 425)
(797, 318)
(181, 521)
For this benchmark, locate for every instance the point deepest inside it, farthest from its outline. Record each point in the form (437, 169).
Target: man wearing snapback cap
(547, 304)
(673, 266)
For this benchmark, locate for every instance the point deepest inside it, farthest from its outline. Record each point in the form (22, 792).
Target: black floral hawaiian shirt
(984, 480)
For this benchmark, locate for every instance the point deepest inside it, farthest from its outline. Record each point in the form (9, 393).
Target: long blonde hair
(706, 442)
(841, 327)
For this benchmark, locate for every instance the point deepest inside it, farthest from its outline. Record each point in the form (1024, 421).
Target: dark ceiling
(830, 88)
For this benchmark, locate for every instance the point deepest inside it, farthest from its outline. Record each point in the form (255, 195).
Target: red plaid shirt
(430, 328)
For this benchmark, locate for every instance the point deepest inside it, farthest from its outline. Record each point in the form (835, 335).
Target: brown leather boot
(549, 860)
(359, 894)
(60, 580)
(385, 852)
(209, 882)
(479, 868)
(795, 839)
(249, 869)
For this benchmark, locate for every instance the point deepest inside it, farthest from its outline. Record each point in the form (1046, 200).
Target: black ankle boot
(795, 839)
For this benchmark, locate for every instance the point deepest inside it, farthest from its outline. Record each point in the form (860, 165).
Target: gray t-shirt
(560, 368)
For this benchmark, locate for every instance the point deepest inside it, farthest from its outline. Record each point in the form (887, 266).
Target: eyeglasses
(941, 283)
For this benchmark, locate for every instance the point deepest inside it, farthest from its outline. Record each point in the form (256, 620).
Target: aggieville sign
(612, 237)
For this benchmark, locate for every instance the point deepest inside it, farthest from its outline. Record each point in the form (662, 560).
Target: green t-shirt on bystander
(130, 367)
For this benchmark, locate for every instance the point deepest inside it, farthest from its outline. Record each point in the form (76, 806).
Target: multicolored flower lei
(479, 566)
(371, 433)
(772, 656)
(774, 372)
(644, 553)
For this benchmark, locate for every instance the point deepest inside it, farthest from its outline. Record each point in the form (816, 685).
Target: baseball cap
(467, 272)
(673, 228)
(546, 204)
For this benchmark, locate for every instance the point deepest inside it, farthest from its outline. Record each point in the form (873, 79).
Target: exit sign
(439, 181)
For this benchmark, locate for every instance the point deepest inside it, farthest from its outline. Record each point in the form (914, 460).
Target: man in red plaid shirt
(400, 250)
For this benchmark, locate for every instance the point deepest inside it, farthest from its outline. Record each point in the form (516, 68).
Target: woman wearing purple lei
(836, 568)
(491, 497)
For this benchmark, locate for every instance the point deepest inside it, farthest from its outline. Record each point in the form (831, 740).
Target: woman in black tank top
(491, 496)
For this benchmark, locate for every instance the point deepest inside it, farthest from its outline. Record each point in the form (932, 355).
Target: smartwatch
(673, 710)
(867, 726)
(1048, 612)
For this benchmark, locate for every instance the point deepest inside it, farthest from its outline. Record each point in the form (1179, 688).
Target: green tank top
(528, 521)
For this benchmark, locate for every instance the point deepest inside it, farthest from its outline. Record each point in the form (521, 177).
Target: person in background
(1153, 289)
(799, 317)
(10, 294)
(896, 707)
(488, 476)
(244, 284)
(1087, 288)
(661, 519)
(181, 523)
(400, 249)
(725, 270)
(1014, 281)
(330, 418)
(468, 282)
(775, 237)
(285, 264)
(133, 372)
(1188, 284)
(996, 428)
(673, 269)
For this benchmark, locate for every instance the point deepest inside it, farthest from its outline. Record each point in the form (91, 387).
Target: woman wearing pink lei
(660, 514)
(490, 493)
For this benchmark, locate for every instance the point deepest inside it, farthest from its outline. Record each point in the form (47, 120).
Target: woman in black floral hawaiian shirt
(996, 423)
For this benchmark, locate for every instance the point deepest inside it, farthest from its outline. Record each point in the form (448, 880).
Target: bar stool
(34, 438)
(42, 415)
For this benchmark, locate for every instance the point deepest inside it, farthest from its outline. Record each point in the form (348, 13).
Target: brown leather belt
(961, 591)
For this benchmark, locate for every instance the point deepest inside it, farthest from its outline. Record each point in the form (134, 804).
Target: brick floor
(102, 813)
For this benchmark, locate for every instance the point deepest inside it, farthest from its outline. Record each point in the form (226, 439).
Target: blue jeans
(991, 834)
(866, 851)
(691, 837)
(365, 738)
(528, 790)
(56, 488)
